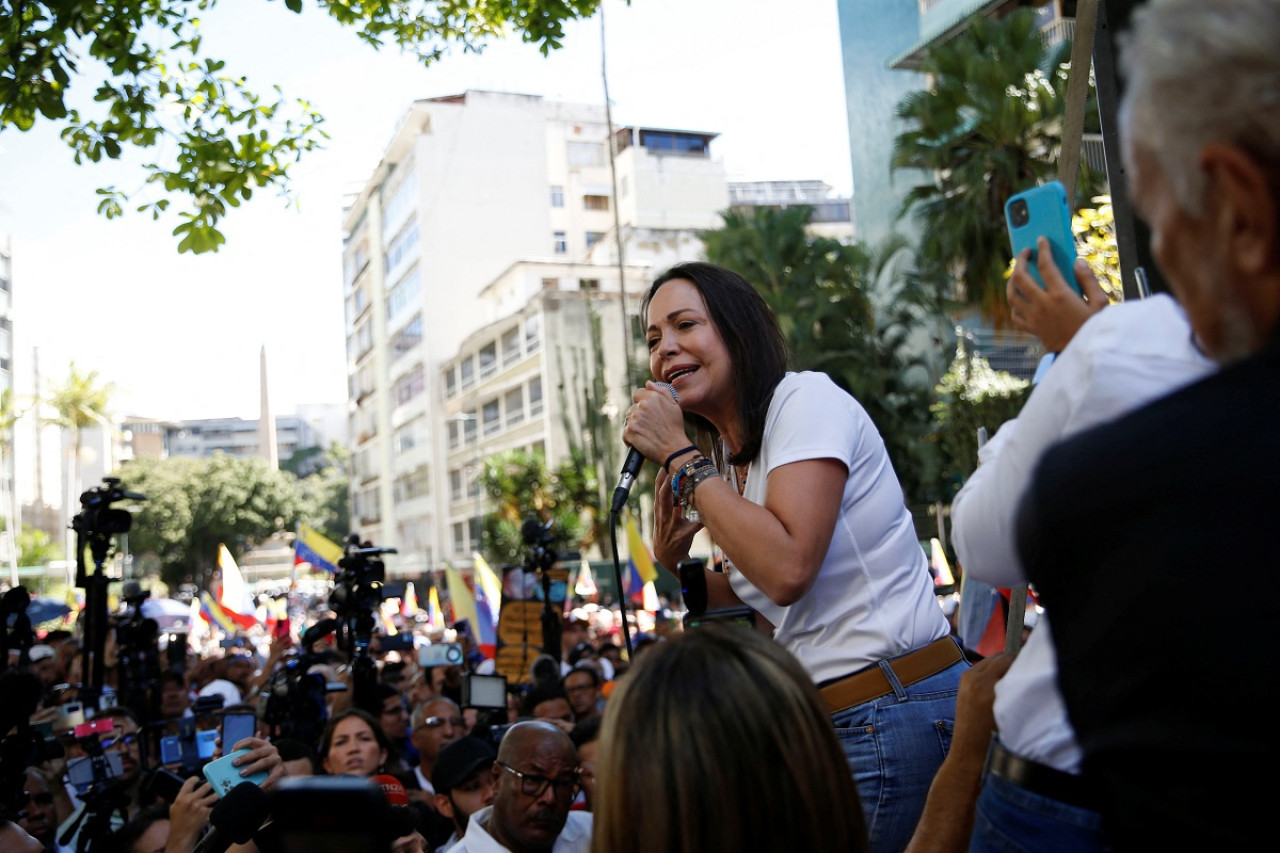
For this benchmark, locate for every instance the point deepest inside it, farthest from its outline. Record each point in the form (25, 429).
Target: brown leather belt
(872, 683)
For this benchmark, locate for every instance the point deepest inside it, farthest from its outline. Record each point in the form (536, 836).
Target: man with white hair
(1140, 533)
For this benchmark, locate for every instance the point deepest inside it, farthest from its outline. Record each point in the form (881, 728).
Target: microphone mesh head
(675, 395)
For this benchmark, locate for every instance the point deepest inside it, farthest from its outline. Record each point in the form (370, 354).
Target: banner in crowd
(520, 626)
(641, 573)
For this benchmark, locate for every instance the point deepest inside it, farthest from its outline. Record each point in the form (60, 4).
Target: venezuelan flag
(435, 616)
(315, 551)
(640, 568)
(488, 607)
(461, 597)
(233, 594)
(213, 613)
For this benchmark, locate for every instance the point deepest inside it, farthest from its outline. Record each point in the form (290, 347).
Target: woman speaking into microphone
(791, 479)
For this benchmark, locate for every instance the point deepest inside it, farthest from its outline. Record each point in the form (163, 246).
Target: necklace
(740, 477)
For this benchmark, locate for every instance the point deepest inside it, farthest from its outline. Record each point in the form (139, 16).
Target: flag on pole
(213, 613)
(197, 630)
(938, 562)
(586, 584)
(314, 551)
(435, 617)
(409, 606)
(233, 594)
(488, 607)
(460, 595)
(640, 569)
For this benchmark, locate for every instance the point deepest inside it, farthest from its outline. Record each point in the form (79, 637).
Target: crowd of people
(837, 710)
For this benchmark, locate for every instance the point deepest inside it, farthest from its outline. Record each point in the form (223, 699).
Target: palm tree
(845, 310)
(80, 402)
(991, 125)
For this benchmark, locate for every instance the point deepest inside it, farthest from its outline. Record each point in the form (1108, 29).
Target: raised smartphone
(223, 775)
(440, 654)
(236, 727)
(1042, 212)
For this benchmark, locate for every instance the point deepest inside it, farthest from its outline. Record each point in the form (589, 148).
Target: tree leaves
(152, 92)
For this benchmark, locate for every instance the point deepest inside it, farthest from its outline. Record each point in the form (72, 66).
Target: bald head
(532, 736)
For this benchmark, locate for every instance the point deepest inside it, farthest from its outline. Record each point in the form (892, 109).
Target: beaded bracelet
(681, 452)
(687, 508)
(678, 479)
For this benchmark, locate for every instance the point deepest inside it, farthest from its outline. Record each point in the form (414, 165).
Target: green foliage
(153, 86)
(193, 505)
(972, 395)
(323, 481)
(845, 310)
(36, 548)
(990, 126)
(522, 486)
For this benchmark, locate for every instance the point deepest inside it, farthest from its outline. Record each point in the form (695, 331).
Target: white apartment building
(477, 260)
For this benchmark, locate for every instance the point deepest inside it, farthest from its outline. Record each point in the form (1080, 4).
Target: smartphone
(170, 750)
(744, 616)
(164, 784)
(1042, 212)
(484, 691)
(69, 716)
(440, 654)
(80, 773)
(237, 727)
(206, 743)
(401, 642)
(94, 727)
(223, 775)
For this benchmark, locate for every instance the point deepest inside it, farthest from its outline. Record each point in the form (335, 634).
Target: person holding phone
(791, 479)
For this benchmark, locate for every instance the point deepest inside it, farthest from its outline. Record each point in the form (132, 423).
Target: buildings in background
(8, 508)
(494, 266)
(882, 42)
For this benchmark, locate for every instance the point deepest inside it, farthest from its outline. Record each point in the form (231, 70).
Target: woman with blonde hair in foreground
(718, 740)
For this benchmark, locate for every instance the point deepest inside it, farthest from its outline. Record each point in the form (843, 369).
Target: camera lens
(1019, 215)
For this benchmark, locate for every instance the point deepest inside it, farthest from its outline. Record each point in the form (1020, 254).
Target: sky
(179, 336)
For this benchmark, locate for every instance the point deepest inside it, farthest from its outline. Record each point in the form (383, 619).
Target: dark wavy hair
(326, 739)
(755, 343)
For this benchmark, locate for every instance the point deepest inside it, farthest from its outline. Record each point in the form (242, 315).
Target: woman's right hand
(672, 533)
(189, 813)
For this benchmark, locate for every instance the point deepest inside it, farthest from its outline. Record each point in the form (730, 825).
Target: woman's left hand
(672, 533)
(262, 757)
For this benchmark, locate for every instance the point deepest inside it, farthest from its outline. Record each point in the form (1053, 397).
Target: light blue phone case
(223, 775)
(1046, 215)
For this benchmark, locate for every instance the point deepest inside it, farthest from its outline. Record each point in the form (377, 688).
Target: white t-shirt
(873, 597)
(1119, 360)
(574, 838)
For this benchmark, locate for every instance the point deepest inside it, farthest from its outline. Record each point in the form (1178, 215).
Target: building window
(459, 529)
(408, 337)
(511, 346)
(561, 240)
(489, 360)
(591, 285)
(594, 237)
(557, 196)
(551, 284)
(535, 396)
(468, 369)
(409, 386)
(492, 417)
(533, 333)
(451, 382)
(513, 402)
(455, 485)
(585, 154)
(595, 202)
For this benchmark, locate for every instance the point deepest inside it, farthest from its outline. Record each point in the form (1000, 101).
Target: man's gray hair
(1198, 72)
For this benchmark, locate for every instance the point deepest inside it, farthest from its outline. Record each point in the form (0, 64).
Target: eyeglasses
(437, 722)
(536, 786)
(123, 740)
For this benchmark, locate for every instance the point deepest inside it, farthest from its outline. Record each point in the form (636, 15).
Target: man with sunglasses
(535, 780)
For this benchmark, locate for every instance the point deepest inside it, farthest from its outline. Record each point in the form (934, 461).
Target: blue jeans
(894, 745)
(1011, 818)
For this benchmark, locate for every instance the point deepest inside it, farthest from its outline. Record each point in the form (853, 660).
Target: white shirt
(1119, 360)
(873, 597)
(423, 782)
(574, 838)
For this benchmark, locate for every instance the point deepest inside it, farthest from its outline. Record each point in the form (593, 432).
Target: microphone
(235, 818)
(631, 466)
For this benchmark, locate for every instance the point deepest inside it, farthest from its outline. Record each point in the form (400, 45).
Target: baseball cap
(580, 651)
(39, 653)
(458, 760)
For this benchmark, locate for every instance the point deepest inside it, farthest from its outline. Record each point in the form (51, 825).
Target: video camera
(360, 585)
(294, 702)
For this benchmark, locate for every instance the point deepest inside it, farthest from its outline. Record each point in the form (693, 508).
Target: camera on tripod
(294, 702)
(360, 584)
(97, 516)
